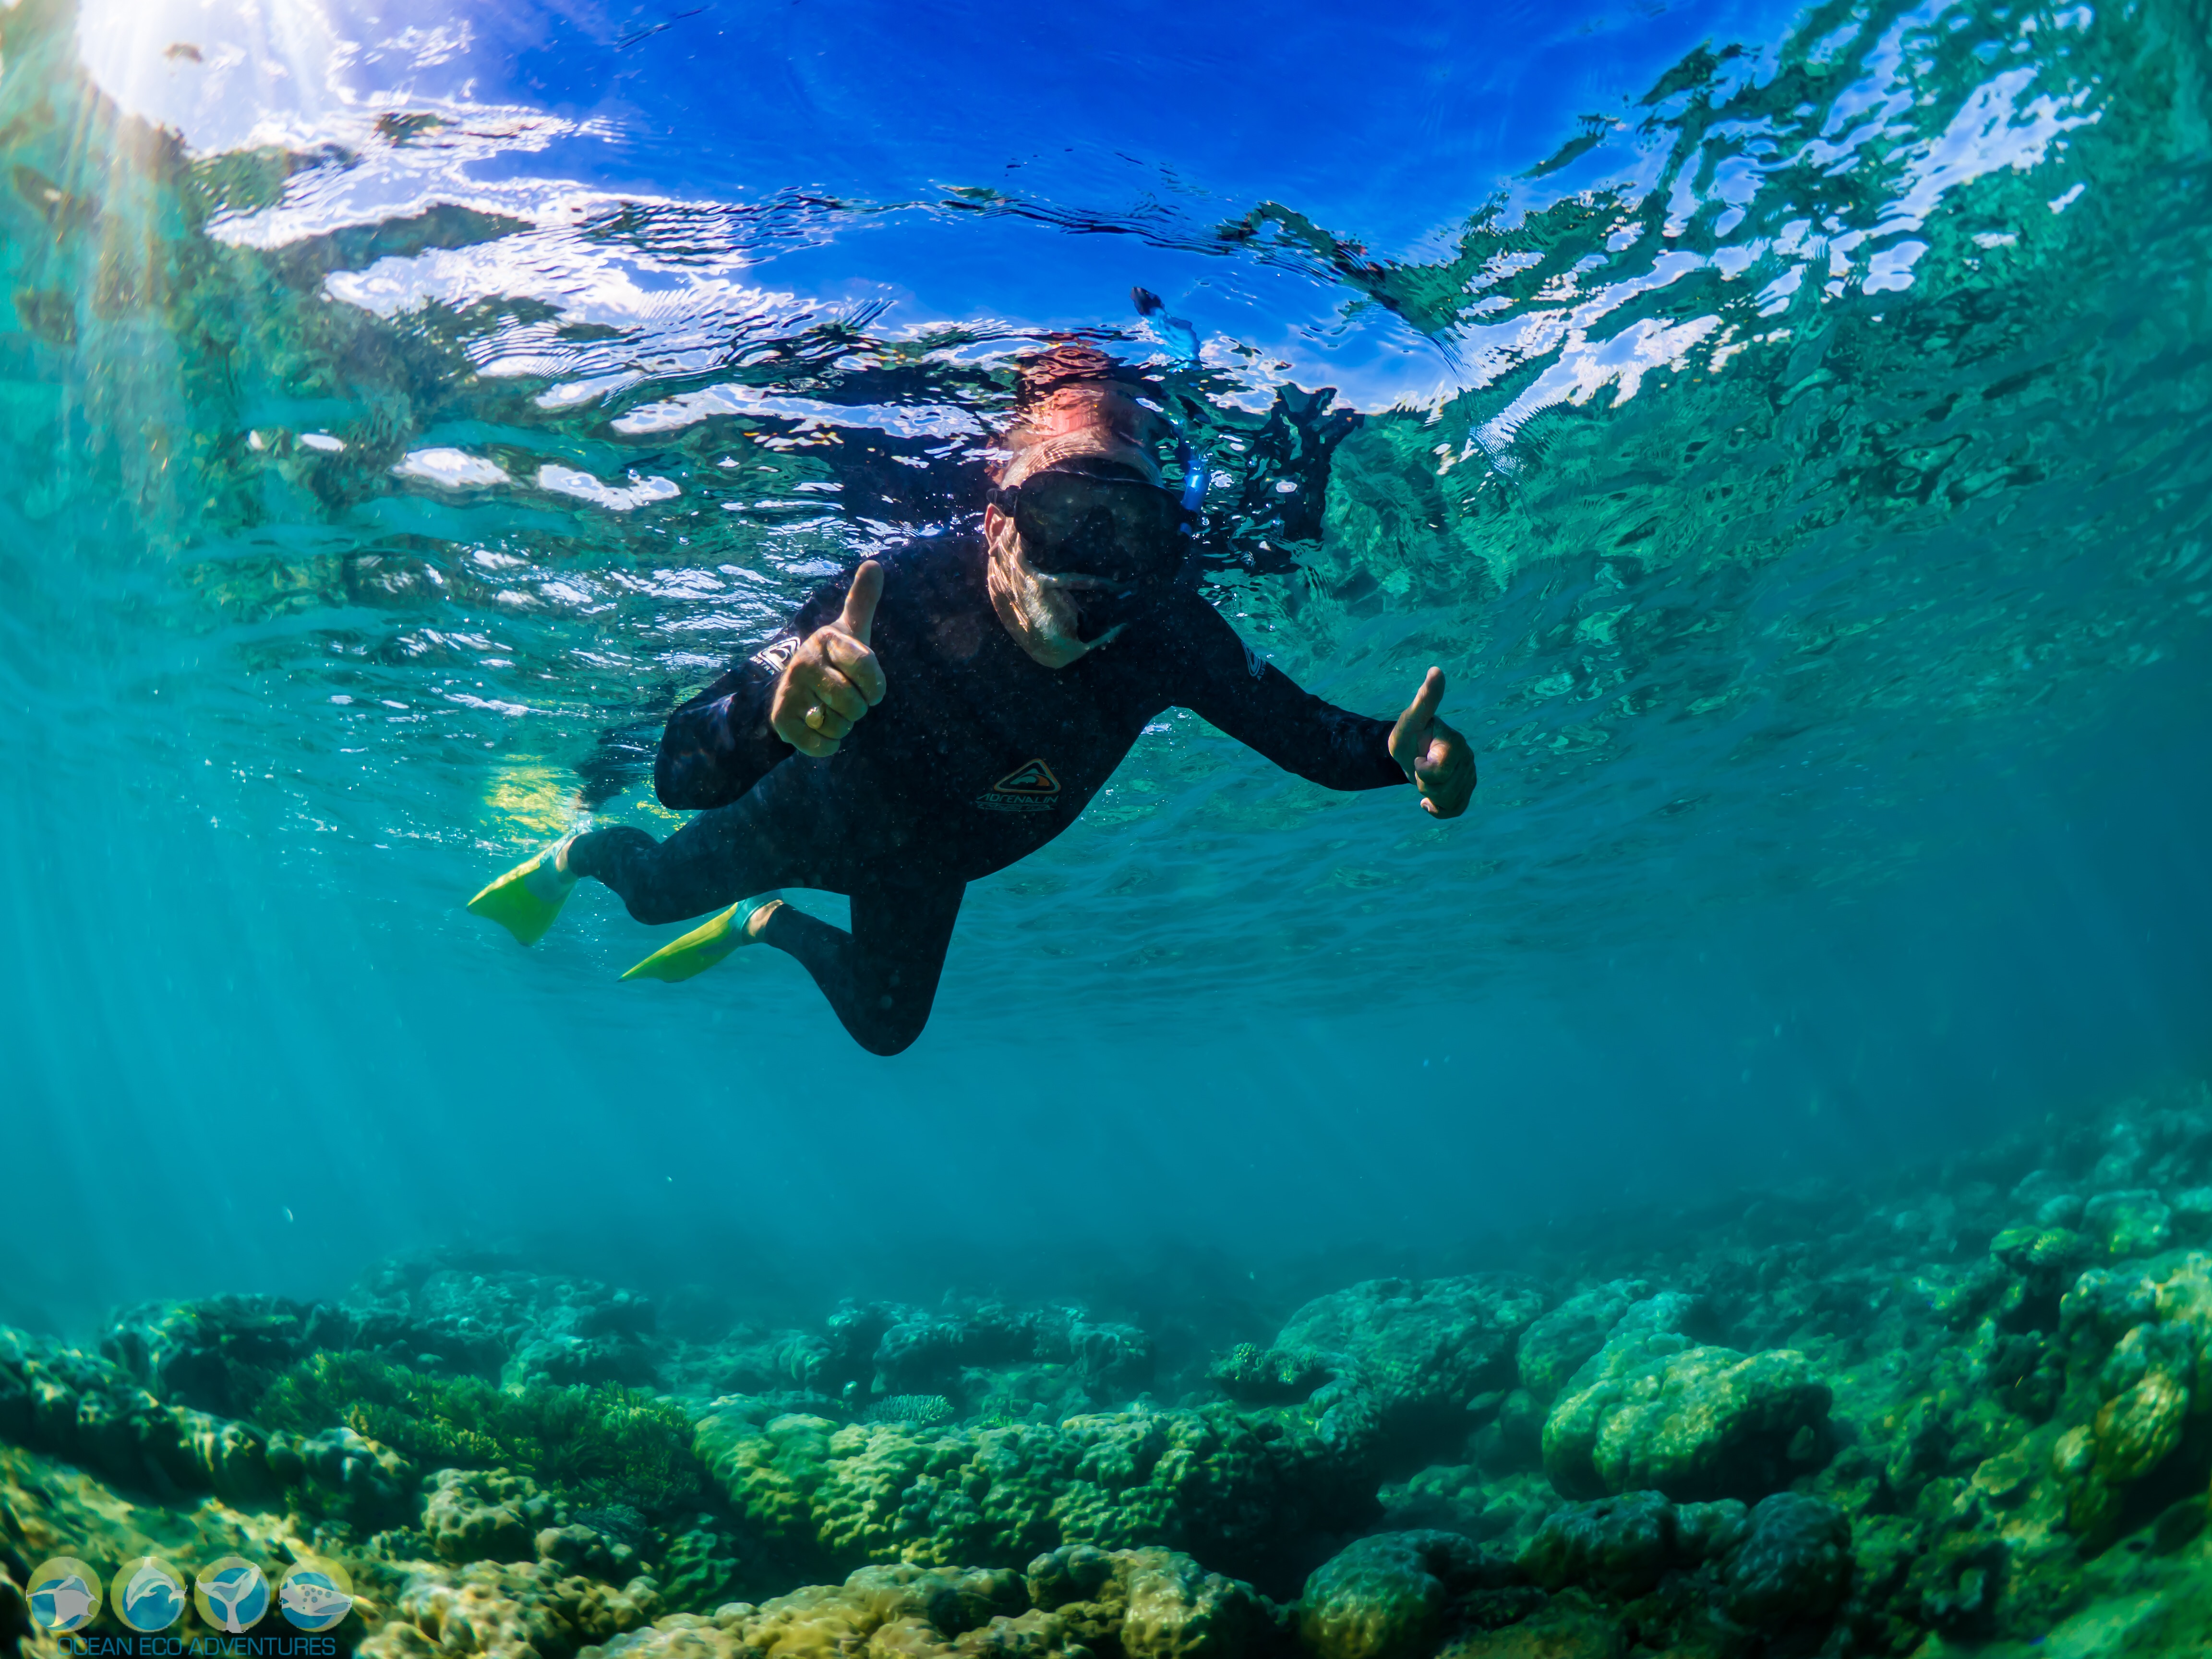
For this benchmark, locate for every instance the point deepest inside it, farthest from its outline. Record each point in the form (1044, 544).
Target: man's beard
(1053, 614)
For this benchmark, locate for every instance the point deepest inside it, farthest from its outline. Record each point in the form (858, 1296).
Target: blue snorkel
(1194, 474)
(1182, 340)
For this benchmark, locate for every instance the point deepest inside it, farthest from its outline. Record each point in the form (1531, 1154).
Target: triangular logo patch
(1030, 778)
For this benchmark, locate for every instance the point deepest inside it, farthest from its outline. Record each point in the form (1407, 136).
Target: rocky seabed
(1967, 1409)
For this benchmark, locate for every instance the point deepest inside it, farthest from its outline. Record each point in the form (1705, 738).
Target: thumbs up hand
(833, 678)
(1437, 759)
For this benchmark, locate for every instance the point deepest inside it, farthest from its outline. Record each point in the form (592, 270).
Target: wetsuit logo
(1029, 787)
(777, 653)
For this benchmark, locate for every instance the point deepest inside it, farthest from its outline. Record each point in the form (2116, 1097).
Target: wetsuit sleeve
(1224, 684)
(718, 744)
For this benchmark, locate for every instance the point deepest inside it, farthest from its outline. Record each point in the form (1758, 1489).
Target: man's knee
(890, 1024)
(610, 857)
(604, 854)
(655, 908)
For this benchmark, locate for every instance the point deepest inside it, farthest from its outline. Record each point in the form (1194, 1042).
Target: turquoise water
(1787, 428)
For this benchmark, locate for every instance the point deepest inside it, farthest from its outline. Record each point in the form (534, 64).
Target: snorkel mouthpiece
(1102, 610)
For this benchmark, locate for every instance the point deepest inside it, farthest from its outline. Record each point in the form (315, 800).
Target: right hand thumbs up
(861, 601)
(833, 679)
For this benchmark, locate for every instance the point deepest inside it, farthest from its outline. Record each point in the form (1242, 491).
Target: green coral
(1386, 1597)
(1250, 1372)
(920, 1410)
(1407, 1357)
(599, 1444)
(1654, 1412)
(700, 1571)
(1081, 1603)
(1236, 1488)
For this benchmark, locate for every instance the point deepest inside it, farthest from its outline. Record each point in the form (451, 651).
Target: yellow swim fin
(526, 898)
(700, 948)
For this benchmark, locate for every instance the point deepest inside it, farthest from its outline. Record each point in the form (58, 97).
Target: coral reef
(59, 1398)
(1149, 1603)
(1694, 1422)
(341, 1473)
(979, 1358)
(532, 1611)
(1139, 1604)
(1554, 1347)
(467, 1317)
(701, 1569)
(14, 1617)
(1963, 1410)
(494, 1517)
(602, 1443)
(1386, 1596)
(1402, 1357)
(1241, 1489)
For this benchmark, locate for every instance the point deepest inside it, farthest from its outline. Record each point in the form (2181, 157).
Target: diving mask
(1101, 521)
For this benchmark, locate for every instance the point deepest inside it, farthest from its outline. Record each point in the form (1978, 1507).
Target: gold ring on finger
(814, 717)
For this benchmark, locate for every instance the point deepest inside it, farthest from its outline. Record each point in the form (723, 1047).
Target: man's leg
(717, 858)
(881, 978)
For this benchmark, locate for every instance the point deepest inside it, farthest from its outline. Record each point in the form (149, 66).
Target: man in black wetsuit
(951, 710)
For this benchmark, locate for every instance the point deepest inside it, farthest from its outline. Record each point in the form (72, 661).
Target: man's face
(1099, 421)
(1046, 605)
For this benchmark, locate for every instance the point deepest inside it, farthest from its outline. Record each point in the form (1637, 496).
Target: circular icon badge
(63, 1594)
(231, 1595)
(148, 1594)
(315, 1595)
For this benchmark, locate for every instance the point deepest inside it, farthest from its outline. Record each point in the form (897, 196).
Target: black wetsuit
(977, 757)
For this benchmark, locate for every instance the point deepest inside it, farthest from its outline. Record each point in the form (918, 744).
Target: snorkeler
(952, 709)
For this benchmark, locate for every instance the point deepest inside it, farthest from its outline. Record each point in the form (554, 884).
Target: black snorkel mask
(1126, 542)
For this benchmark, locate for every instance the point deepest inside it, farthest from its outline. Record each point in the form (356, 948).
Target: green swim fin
(526, 898)
(700, 948)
